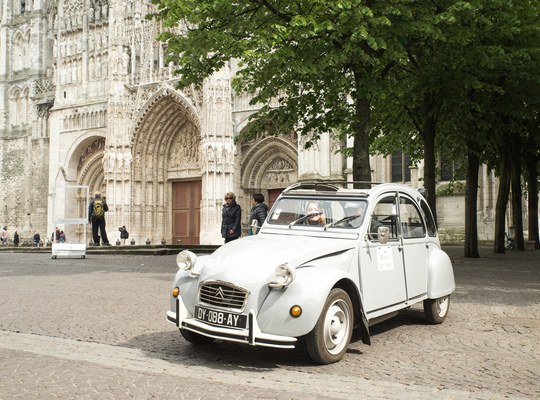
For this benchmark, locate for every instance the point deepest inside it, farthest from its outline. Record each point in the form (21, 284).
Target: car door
(381, 266)
(415, 247)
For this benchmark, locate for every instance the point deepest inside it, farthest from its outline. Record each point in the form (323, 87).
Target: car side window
(412, 223)
(384, 214)
(430, 221)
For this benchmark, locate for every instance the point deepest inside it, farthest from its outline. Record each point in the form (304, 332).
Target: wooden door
(273, 194)
(186, 212)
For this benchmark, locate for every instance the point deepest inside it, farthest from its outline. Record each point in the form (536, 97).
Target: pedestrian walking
(231, 215)
(258, 213)
(96, 216)
(16, 239)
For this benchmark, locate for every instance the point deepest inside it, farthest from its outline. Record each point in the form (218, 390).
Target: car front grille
(223, 295)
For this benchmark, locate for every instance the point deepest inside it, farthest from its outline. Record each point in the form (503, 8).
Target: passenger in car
(317, 215)
(354, 210)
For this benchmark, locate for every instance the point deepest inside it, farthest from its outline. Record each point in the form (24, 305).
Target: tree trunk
(531, 162)
(471, 205)
(361, 166)
(502, 196)
(517, 205)
(428, 136)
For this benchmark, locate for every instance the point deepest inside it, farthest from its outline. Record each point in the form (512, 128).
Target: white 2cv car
(327, 260)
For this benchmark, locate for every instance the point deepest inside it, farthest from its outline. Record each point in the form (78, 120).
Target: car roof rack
(327, 186)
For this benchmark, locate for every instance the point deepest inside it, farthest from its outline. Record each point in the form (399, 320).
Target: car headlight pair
(284, 276)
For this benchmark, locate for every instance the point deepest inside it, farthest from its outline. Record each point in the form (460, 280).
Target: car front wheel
(436, 310)
(329, 340)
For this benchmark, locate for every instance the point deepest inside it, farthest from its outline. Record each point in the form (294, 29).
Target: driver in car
(316, 216)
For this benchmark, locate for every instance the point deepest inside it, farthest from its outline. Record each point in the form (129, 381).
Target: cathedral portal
(166, 156)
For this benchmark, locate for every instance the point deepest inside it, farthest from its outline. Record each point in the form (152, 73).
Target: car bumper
(252, 335)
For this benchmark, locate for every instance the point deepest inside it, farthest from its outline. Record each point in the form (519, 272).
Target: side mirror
(384, 233)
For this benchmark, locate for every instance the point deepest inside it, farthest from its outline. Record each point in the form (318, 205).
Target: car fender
(441, 274)
(309, 291)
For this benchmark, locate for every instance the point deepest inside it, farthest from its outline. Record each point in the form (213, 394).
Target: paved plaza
(95, 328)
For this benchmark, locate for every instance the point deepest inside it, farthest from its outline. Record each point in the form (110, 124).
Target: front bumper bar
(252, 335)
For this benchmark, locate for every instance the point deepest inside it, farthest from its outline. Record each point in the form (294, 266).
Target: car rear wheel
(195, 338)
(329, 340)
(436, 310)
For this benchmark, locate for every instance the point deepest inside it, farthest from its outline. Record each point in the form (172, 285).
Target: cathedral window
(451, 170)
(400, 167)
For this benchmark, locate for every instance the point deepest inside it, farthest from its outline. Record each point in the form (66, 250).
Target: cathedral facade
(89, 101)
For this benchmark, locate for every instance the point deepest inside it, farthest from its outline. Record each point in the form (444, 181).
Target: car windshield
(326, 213)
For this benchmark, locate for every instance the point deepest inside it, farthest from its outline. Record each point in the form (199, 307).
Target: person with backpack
(124, 234)
(96, 216)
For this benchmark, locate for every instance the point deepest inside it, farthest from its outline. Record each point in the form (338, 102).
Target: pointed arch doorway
(166, 171)
(186, 212)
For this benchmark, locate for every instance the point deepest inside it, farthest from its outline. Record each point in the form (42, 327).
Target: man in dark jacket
(258, 212)
(231, 216)
(96, 216)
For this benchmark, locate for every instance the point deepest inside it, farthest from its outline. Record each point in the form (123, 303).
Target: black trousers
(99, 224)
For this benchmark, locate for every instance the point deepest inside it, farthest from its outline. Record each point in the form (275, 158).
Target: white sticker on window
(384, 258)
(276, 213)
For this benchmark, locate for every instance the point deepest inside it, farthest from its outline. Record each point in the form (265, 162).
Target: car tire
(195, 338)
(436, 310)
(329, 340)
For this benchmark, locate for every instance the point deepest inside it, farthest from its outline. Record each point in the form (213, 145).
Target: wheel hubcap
(337, 326)
(442, 306)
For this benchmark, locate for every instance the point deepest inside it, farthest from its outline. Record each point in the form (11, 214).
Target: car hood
(236, 261)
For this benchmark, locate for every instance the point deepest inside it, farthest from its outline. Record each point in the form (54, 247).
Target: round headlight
(186, 260)
(284, 275)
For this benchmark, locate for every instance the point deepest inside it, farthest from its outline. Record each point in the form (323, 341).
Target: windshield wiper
(304, 217)
(344, 219)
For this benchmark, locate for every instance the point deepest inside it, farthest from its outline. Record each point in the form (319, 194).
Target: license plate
(221, 318)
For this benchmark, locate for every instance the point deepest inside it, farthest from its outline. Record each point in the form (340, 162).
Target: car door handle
(400, 247)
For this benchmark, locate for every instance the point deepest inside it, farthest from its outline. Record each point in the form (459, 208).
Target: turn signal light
(175, 292)
(295, 311)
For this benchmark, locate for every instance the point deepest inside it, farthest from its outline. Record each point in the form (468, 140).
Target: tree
(323, 60)
(465, 80)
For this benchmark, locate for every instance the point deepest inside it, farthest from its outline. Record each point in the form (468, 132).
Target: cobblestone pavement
(96, 329)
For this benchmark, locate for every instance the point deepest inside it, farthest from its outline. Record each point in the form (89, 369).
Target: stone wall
(23, 178)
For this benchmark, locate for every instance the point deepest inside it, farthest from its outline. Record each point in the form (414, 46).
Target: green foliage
(314, 57)
(471, 67)
(476, 62)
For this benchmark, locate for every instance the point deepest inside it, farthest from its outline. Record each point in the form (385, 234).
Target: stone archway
(269, 165)
(165, 149)
(83, 168)
(90, 166)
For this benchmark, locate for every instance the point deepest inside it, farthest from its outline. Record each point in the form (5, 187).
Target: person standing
(124, 234)
(258, 212)
(16, 239)
(231, 216)
(37, 239)
(56, 235)
(96, 216)
(4, 237)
